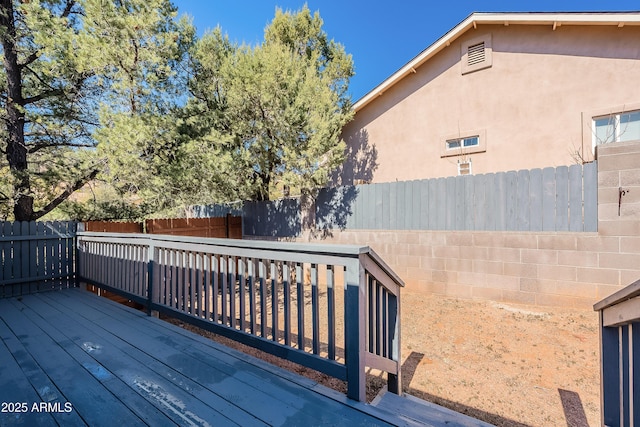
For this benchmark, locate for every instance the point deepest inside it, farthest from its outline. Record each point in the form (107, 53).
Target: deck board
(130, 381)
(116, 365)
(266, 388)
(89, 398)
(251, 387)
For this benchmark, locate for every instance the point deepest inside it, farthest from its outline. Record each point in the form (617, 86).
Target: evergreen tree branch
(66, 193)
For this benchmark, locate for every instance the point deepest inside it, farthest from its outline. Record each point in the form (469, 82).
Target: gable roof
(553, 19)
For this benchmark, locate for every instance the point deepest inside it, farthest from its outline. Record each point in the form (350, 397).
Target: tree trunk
(16, 148)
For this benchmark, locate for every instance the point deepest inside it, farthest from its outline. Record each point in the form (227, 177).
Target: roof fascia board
(527, 18)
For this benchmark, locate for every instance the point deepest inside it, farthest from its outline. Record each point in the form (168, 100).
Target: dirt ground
(506, 364)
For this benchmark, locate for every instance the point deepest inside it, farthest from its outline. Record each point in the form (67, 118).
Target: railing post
(76, 253)
(394, 382)
(150, 268)
(355, 330)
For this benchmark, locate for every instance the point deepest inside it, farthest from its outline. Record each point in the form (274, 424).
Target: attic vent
(475, 54)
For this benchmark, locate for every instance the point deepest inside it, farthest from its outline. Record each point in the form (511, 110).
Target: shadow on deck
(84, 360)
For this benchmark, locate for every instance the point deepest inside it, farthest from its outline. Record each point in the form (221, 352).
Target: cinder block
(608, 179)
(446, 251)
(397, 248)
(628, 277)
(500, 281)
(503, 254)
(488, 239)
(409, 238)
(432, 263)
(528, 241)
(557, 241)
(421, 250)
(472, 279)
(607, 212)
(597, 244)
(457, 264)
(619, 228)
(435, 238)
(557, 272)
(603, 276)
(459, 238)
(539, 256)
(547, 286)
(630, 177)
(630, 245)
(408, 260)
(582, 290)
(618, 162)
(444, 276)
(630, 211)
(416, 273)
(604, 291)
(620, 261)
(578, 258)
(529, 285)
(521, 270)
(628, 148)
(471, 252)
(487, 267)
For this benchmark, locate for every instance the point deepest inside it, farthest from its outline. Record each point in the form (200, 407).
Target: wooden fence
(113, 226)
(550, 199)
(620, 356)
(228, 226)
(36, 256)
(344, 317)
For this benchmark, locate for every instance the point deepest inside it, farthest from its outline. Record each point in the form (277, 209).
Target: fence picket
(590, 182)
(535, 200)
(575, 198)
(523, 191)
(562, 198)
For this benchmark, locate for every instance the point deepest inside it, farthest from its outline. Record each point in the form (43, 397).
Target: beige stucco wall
(530, 103)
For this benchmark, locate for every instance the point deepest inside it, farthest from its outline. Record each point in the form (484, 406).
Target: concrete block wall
(562, 269)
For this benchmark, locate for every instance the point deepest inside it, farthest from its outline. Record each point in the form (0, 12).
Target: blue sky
(381, 36)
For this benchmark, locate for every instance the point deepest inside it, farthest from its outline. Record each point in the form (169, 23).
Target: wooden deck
(85, 360)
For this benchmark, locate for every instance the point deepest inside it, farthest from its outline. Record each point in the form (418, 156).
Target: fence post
(355, 330)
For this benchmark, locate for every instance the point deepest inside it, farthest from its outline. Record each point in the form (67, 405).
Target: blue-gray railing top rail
(280, 297)
(348, 251)
(628, 292)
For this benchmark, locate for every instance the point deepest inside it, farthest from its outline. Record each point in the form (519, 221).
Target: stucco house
(498, 92)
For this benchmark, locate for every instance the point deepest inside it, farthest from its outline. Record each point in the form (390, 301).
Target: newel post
(355, 330)
(150, 278)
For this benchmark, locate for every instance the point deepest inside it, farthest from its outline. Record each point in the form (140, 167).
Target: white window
(618, 127)
(461, 143)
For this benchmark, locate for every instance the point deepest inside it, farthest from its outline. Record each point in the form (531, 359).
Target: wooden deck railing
(620, 356)
(332, 308)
